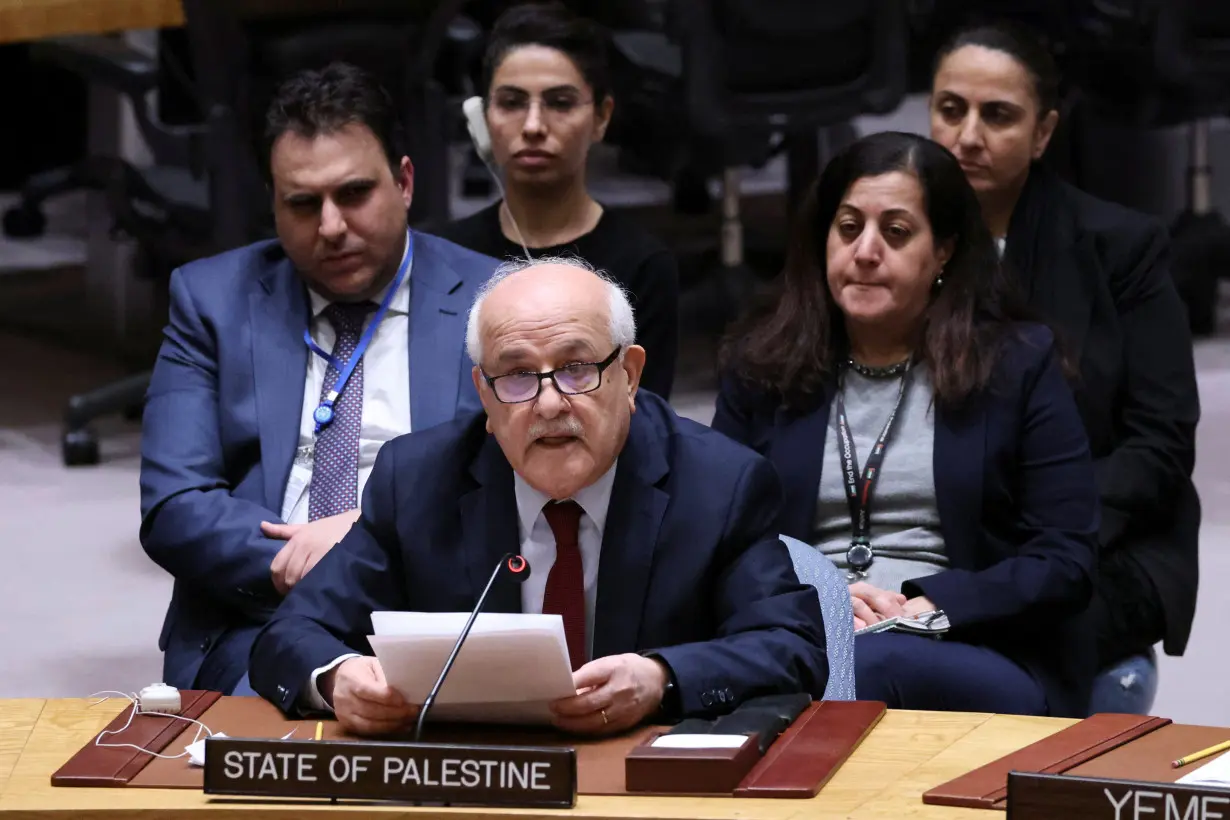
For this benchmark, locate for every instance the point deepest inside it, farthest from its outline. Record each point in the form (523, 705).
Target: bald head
(556, 368)
(527, 294)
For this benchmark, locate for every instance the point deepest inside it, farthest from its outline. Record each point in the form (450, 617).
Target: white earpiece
(476, 122)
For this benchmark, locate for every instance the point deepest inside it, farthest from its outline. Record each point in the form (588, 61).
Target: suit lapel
(958, 467)
(278, 314)
(1055, 262)
(797, 451)
(1061, 291)
(489, 526)
(437, 320)
(632, 523)
(1074, 299)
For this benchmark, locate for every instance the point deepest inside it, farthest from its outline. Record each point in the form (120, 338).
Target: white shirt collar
(594, 500)
(400, 302)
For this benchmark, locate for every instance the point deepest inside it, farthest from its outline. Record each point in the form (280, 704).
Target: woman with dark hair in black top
(547, 100)
(1099, 273)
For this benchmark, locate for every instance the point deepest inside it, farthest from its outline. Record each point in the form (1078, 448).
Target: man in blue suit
(287, 364)
(651, 536)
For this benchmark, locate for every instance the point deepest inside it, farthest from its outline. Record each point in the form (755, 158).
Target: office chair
(163, 208)
(1155, 63)
(111, 63)
(731, 81)
(814, 567)
(206, 194)
(932, 22)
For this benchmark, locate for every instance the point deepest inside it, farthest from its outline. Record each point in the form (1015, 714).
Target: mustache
(556, 427)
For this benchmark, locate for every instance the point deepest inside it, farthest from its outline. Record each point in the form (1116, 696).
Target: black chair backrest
(241, 51)
(789, 45)
(790, 65)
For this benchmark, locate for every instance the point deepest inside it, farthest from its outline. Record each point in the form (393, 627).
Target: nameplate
(405, 772)
(1058, 797)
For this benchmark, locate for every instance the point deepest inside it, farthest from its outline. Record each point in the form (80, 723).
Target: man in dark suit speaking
(651, 536)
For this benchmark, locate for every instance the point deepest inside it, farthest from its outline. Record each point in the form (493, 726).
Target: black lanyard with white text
(858, 487)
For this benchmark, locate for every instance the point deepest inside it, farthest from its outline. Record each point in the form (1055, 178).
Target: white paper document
(1214, 773)
(196, 750)
(508, 671)
(700, 741)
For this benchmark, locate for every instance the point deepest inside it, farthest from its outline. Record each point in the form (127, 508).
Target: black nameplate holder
(1033, 796)
(434, 773)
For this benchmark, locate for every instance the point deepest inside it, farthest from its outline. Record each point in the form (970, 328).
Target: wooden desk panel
(17, 719)
(35, 19)
(899, 744)
(998, 736)
(906, 754)
(22, 20)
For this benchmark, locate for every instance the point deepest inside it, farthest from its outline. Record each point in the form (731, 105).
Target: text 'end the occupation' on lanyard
(858, 488)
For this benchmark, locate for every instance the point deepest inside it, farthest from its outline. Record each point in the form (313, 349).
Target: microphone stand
(435, 689)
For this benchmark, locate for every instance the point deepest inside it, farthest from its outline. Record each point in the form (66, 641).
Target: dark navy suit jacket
(1018, 506)
(691, 566)
(222, 424)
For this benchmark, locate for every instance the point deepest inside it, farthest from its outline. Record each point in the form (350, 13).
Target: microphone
(518, 569)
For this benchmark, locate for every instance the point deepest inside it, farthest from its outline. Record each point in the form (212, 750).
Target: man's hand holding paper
(613, 694)
(363, 701)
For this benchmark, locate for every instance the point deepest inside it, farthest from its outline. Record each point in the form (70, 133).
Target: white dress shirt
(538, 548)
(538, 543)
(386, 392)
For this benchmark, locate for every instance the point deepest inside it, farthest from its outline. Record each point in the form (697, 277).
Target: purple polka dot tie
(335, 471)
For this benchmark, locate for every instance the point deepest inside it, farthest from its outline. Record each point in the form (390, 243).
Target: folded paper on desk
(510, 668)
(933, 623)
(196, 750)
(700, 741)
(1213, 773)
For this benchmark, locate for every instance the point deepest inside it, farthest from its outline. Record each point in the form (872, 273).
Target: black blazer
(1018, 509)
(1099, 273)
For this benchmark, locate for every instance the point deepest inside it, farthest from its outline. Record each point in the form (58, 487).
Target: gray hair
(623, 324)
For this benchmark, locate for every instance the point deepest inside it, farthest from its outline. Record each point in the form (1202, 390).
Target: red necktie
(565, 593)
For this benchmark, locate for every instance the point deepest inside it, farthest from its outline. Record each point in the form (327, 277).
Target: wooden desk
(22, 20)
(908, 753)
(35, 19)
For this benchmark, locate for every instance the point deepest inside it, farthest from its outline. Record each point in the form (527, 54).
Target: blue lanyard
(323, 414)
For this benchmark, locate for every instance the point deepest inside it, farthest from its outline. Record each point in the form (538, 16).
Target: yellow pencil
(320, 729)
(1200, 755)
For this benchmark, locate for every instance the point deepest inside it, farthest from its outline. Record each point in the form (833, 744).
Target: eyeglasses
(557, 104)
(571, 380)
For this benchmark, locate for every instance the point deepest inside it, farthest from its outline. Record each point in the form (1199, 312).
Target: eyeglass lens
(577, 378)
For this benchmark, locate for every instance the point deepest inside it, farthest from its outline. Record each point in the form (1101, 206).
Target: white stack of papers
(508, 671)
(1214, 773)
